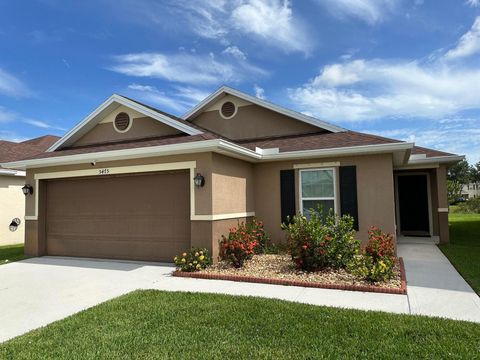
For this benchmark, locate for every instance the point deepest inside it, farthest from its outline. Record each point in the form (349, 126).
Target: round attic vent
(228, 109)
(122, 122)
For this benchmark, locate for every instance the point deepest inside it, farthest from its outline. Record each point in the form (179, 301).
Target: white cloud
(473, 3)
(235, 52)
(273, 22)
(270, 21)
(6, 115)
(468, 44)
(186, 68)
(370, 11)
(11, 86)
(41, 124)
(178, 100)
(374, 89)
(259, 92)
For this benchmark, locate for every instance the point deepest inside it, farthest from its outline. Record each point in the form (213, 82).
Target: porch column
(442, 210)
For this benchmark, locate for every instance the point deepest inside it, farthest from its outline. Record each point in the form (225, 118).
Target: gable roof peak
(226, 90)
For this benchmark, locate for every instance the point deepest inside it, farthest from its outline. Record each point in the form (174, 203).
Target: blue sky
(407, 69)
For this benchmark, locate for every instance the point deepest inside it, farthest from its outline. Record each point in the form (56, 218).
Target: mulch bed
(279, 270)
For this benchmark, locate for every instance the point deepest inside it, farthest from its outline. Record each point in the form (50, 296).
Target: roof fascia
(120, 100)
(253, 99)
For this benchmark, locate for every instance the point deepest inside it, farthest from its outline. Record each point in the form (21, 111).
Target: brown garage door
(138, 217)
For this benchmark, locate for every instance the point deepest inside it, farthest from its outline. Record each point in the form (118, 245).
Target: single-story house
(12, 200)
(133, 182)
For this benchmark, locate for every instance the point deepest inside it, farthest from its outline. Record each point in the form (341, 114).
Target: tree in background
(475, 173)
(459, 175)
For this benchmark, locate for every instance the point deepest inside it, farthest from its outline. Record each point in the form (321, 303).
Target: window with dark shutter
(348, 193)
(287, 194)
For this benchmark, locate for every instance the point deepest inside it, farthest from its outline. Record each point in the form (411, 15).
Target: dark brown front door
(137, 217)
(413, 205)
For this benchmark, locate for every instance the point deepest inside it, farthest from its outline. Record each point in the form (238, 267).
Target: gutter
(9, 172)
(216, 145)
(437, 160)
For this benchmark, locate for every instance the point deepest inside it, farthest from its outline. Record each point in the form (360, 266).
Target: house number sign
(103, 171)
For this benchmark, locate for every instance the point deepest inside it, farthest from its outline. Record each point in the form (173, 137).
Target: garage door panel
(141, 217)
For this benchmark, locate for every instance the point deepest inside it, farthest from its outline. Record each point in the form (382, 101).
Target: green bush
(319, 242)
(193, 260)
(471, 206)
(377, 261)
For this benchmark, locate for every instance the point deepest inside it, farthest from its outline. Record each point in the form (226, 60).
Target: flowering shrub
(320, 242)
(242, 242)
(193, 260)
(377, 261)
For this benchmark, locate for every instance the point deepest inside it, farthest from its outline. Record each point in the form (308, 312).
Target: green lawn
(464, 248)
(153, 324)
(11, 253)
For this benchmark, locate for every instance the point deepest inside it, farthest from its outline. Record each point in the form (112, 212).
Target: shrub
(256, 230)
(319, 242)
(193, 260)
(377, 261)
(471, 206)
(241, 243)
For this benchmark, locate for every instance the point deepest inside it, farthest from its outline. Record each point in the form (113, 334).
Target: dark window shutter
(348, 193)
(287, 194)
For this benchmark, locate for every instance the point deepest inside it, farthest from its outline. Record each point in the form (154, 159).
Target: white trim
(279, 109)
(234, 112)
(120, 100)
(417, 167)
(335, 194)
(317, 165)
(437, 159)
(429, 199)
(98, 172)
(216, 145)
(224, 216)
(442, 210)
(8, 172)
(130, 123)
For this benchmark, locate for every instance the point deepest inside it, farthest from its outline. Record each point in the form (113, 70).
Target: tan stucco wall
(232, 183)
(142, 127)
(374, 184)
(12, 205)
(252, 121)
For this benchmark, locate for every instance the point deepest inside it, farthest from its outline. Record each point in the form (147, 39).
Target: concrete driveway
(36, 292)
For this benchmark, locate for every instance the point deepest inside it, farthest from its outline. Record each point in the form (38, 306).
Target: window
(317, 189)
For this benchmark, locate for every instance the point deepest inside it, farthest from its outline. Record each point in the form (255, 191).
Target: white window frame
(335, 194)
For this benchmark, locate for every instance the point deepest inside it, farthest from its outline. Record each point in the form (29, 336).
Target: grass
(464, 248)
(11, 253)
(152, 324)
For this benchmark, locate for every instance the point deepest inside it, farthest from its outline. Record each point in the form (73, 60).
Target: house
(471, 191)
(134, 182)
(12, 200)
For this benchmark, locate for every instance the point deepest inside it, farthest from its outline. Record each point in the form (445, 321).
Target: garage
(132, 217)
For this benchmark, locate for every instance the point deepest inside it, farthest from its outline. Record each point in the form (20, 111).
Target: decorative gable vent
(228, 110)
(122, 122)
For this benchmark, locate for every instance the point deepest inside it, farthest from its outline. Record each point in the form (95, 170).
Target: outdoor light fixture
(199, 180)
(14, 224)
(27, 190)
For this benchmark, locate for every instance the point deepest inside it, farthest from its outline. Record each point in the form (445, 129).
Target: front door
(413, 203)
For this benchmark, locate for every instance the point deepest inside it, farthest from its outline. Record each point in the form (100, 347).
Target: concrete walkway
(38, 291)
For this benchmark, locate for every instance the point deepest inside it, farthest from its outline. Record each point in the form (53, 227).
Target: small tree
(454, 190)
(460, 172)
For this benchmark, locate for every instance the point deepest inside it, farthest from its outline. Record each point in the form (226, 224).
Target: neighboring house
(12, 200)
(471, 191)
(120, 184)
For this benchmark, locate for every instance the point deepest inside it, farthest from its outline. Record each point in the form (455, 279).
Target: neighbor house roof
(11, 151)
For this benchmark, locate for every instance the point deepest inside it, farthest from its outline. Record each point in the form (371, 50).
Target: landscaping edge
(400, 291)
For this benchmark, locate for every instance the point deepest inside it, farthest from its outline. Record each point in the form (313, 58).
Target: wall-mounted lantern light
(14, 224)
(27, 190)
(199, 180)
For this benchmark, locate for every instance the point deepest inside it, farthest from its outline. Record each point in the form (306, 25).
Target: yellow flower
(198, 266)
(196, 254)
(183, 260)
(201, 252)
(201, 257)
(184, 254)
(195, 262)
(175, 258)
